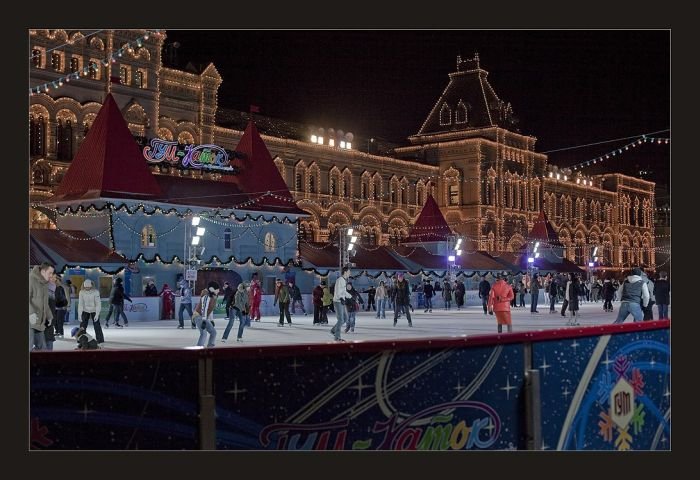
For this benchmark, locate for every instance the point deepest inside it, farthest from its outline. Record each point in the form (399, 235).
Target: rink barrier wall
(599, 387)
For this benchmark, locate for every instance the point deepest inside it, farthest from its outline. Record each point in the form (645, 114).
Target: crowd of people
(50, 301)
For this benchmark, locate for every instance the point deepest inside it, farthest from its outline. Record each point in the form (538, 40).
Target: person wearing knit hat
(89, 305)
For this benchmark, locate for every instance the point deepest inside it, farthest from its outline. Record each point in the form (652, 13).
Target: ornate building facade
(486, 176)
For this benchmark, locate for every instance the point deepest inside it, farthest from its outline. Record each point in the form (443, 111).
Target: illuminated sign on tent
(201, 157)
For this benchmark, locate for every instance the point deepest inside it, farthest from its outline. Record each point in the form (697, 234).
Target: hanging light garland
(111, 58)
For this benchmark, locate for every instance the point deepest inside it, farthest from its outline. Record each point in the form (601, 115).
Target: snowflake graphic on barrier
(38, 435)
(621, 408)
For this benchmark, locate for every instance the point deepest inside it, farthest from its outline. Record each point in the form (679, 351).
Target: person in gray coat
(39, 310)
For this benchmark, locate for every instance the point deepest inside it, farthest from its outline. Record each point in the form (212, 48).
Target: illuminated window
(36, 58)
(445, 115)
(227, 239)
(138, 79)
(320, 140)
(148, 236)
(124, 75)
(334, 187)
(37, 134)
(331, 142)
(298, 182)
(312, 184)
(454, 195)
(342, 144)
(92, 70)
(74, 65)
(348, 145)
(56, 61)
(314, 139)
(270, 242)
(64, 140)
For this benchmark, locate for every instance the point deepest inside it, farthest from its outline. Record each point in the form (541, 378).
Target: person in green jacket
(283, 297)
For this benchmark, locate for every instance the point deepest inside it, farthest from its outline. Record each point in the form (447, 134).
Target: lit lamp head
(350, 231)
(451, 258)
(195, 221)
(195, 240)
(459, 252)
(530, 260)
(200, 231)
(590, 264)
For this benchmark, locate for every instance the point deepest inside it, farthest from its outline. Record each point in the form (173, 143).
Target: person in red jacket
(168, 303)
(255, 298)
(499, 303)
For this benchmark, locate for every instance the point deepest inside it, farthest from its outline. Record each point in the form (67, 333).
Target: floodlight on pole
(200, 231)
(451, 258)
(595, 250)
(537, 244)
(537, 255)
(590, 264)
(195, 240)
(459, 252)
(195, 221)
(530, 260)
(351, 246)
(350, 230)
(353, 239)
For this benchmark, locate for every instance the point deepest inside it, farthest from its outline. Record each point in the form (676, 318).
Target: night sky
(567, 88)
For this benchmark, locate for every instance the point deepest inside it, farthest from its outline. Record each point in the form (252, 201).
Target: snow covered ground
(440, 323)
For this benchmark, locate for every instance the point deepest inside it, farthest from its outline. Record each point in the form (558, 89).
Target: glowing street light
(195, 221)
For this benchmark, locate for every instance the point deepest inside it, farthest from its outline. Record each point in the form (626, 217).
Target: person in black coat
(662, 293)
(553, 292)
(608, 292)
(484, 290)
(428, 296)
(371, 292)
(229, 298)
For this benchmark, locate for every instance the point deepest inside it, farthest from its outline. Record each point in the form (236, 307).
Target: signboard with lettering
(200, 157)
(191, 275)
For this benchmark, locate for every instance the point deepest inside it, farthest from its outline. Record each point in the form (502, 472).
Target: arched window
(312, 183)
(363, 190)
(74, 65)
(461, 113)
(36, 58)
(333, 187)
(64, 140)
(454, 194)
(270, 242)
(124, 75)
(298, 183)
(372, 238)
(148, 236)
(37, 133)
(393, 194)
(38, 176)
(138, 79)
(346, 187)
(445, 115)
(227, 239)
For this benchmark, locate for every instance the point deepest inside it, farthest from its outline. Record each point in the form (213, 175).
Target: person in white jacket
(89, 306)
(340, 294)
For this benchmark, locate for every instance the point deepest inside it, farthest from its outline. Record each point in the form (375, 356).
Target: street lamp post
(192, 246)
(346, 245)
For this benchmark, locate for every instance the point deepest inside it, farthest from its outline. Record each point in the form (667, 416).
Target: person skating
(371, 293)
(39, 310)
(662, 291)
(428, 296)
(484, 290)
(460, 290)
(327, 300)
(634, 297)
(522, 291)
(283, 298)
(447, 293)
(340, 297)
(534, 293)
(553, 292)
(61, 299)
(573, 289)
(185, 293)
(241, 307)
(204, 314)
(229, 294)
(500, 297)
(317, 300)
(353, 305)
(608, 293)
(381, 296)
(403, 299)
(117, 298)
(89, 306)
(648, 310)
(255, 298)
(295, 293)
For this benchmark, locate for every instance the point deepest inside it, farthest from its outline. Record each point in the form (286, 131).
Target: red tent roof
(72, 247)
(259, 175)
(543, 231)
(108, 163)
(430, 226)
